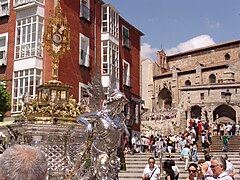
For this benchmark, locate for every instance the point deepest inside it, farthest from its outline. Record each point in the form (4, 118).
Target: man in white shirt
(218, 166)
(151, 171)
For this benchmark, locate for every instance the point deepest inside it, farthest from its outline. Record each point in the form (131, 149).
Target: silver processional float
(77, 145)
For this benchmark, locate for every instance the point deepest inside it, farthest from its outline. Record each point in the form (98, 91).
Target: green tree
(4, 100)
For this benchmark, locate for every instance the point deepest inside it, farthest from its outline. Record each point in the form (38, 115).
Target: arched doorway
(165, 99)
(196, 112)
(225, 114)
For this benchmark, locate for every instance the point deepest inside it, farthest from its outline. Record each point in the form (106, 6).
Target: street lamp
(228, 96)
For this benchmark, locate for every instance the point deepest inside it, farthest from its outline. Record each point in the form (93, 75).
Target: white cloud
(196, 42)
(147, 51)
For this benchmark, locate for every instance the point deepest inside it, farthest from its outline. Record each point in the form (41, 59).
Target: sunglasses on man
(213, 166)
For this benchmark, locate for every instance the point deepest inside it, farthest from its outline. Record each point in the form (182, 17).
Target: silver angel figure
(107, 126)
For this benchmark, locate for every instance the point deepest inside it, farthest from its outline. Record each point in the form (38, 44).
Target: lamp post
(228, 96)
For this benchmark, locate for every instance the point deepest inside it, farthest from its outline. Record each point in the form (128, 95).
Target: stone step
(138, 176)
(137, 162)
(174, 155)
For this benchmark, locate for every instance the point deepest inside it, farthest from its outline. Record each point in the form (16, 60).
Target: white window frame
(112, 57)
(24, 81)
(105, 19)
(125, 39)
(4, 12)
(84, 50)
(3, 49)
(110, 21)
(28, 42)
(126, 73)
(26, 2)
(85, 9)
(105, 57)
(113, 22)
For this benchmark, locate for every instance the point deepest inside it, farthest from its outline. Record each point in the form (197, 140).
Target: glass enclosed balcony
(26, 2)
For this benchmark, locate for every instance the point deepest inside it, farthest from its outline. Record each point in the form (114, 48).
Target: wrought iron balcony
(25, 2)
(85, 12)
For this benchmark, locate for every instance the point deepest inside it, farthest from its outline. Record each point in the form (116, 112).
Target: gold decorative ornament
(57, 38)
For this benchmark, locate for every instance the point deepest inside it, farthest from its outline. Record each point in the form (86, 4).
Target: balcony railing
(85, 12)
(23, 2)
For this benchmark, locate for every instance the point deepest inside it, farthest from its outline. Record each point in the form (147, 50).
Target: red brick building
(98, 34)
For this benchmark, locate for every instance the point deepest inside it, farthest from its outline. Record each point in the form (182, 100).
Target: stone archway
(196, 112)
(225, 114)
(164, 99)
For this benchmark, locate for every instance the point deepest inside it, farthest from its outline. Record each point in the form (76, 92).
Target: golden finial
(57, 38)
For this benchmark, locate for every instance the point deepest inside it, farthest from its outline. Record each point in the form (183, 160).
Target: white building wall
(147, 82)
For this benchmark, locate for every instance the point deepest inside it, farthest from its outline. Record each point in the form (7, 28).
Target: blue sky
(180, 25)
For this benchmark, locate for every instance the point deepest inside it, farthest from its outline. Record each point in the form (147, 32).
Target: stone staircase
(136, 163)
(217, 144)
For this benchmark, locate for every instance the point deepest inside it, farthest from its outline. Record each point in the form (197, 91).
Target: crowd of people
(210, 168)
(196, 131)
(19, 159)
(186, 143)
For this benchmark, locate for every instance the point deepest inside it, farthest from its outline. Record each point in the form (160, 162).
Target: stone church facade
(197, 82)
